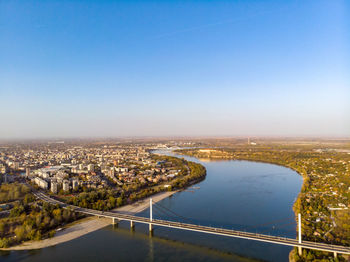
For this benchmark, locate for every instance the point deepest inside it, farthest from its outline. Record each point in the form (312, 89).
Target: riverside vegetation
(29, 219)
(324, 198)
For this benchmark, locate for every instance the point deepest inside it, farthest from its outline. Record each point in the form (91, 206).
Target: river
(243, 195)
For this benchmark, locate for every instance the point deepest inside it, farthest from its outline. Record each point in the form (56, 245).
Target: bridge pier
(132, 225)
(115, 221)
(335, 254)
(300, 251)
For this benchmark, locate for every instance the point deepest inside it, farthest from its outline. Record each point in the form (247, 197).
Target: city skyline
(123, 69)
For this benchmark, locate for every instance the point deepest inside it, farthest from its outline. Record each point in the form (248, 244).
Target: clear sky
(174, 68)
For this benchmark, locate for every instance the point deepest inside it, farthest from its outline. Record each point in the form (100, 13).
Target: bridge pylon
(300, 250)
(150, 215)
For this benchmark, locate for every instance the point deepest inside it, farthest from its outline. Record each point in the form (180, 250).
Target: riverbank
(87, 225)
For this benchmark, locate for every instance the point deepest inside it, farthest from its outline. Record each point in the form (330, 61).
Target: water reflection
(155, 239)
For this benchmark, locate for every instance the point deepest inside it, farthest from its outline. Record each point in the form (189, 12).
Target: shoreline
(87, 225)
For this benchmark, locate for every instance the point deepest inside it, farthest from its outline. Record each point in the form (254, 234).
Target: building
(65, 185)
(122, 169)
(110, 172)
(41, 183)
(91, 167)
(15, 165)
(3, 169)
(75, 184)
(27, 172)
(54, 187)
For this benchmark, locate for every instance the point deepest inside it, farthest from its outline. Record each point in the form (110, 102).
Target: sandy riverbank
(90, 224)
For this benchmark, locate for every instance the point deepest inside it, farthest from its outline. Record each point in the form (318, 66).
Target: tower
(27, 172)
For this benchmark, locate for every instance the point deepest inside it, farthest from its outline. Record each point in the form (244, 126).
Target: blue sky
(174, 68)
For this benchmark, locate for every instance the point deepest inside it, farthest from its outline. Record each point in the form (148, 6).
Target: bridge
(115, 216)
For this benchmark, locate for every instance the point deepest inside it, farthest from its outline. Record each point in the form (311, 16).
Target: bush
(4, 242)
(52, 233)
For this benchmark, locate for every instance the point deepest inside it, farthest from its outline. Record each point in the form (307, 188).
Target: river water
(243, 195)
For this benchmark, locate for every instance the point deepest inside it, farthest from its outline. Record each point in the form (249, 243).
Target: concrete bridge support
(132, 225)
(115, 221)
(335, 255)
(300, 251)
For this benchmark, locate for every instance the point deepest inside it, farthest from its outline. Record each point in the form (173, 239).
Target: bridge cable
(192, 220)
(169, 210)
(247, 228)
(176, 215)
(166, 213)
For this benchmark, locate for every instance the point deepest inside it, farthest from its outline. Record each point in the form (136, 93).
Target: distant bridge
(115, 216)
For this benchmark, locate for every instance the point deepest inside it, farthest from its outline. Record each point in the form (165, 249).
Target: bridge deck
(204, 229)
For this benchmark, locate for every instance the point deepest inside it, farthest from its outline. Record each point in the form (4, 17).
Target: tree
(119, 201)
(28, 198)
(4, 242)
(31, 234)
(112, 201)
(20, 233)
(57, 214)
(37, 235)
(2, 228)
(17, 211)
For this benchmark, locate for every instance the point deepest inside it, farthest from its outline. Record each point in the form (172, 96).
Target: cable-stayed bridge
(115, 216)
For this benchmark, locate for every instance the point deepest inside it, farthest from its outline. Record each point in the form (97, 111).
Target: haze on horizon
(174, 68)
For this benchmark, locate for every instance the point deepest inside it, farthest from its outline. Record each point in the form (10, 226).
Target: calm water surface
(242, 195)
